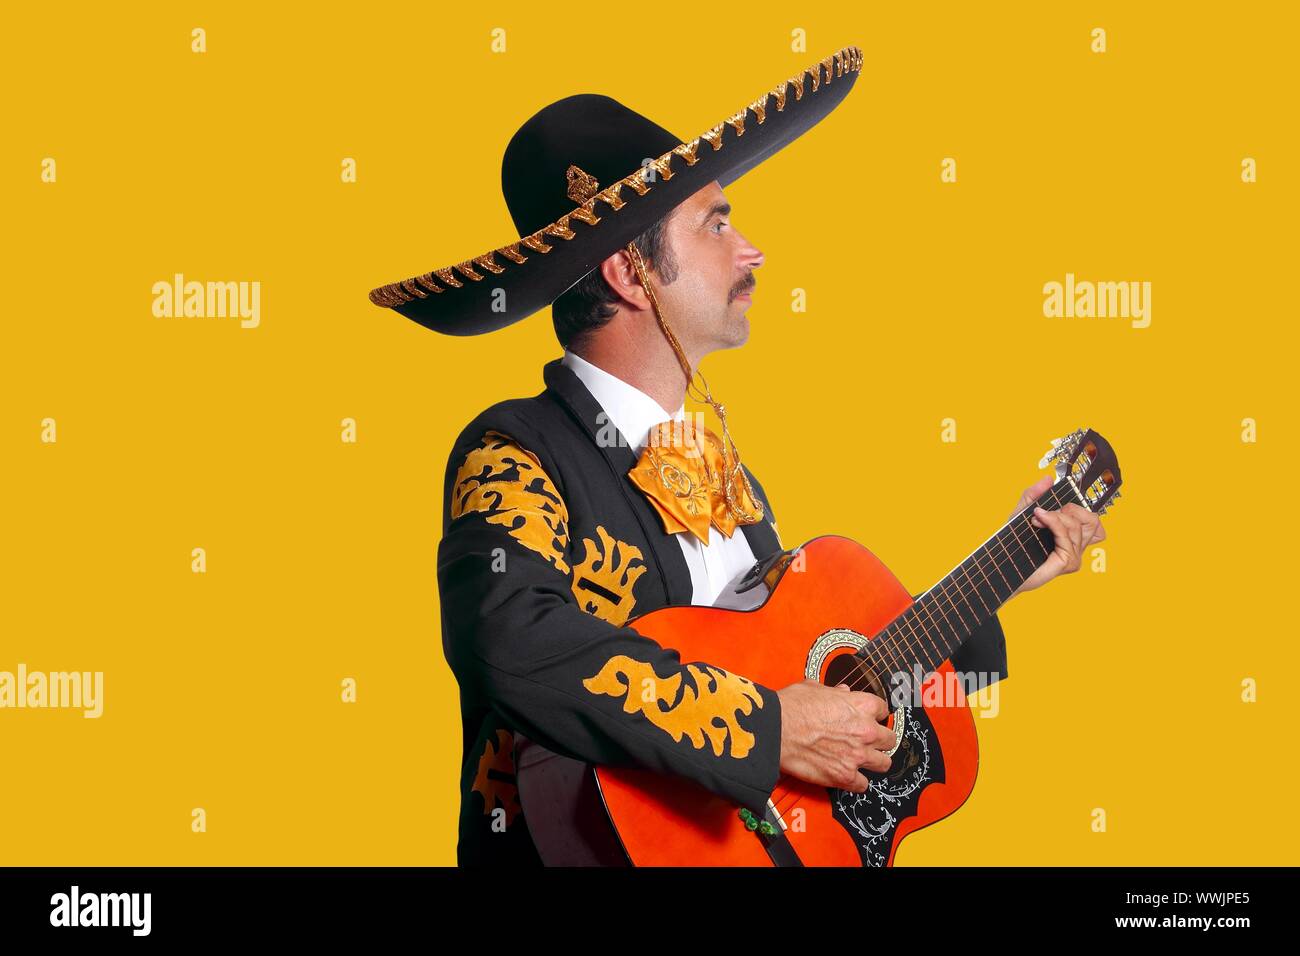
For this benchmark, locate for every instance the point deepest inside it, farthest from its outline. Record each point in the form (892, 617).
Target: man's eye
(718, 225)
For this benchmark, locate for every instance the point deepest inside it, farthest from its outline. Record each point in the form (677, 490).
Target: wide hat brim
(510, 283)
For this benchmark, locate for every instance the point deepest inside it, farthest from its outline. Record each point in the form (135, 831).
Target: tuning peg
(1060, 448)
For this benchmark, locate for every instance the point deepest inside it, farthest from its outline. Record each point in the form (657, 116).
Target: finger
(1095, 531)
(1092, 529)
(1038, 520)
(1069, 537)
(1055, 522)
(877, 761)
(1081, 518)
(1032, 493)
(1056, 561)
(1060, 520)
(873, 705)
(1080, 514)
(1069, 521)
(886, 739)
(860, 783)
(1048, 519)
(1073, 544)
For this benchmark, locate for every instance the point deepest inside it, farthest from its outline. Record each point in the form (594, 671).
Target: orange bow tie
(681, 471)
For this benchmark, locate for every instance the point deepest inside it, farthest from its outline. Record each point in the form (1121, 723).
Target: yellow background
(924, 302)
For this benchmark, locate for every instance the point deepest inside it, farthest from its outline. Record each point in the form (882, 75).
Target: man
(566, 517)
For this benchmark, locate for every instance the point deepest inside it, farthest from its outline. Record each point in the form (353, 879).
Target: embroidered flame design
(604, 579)
(494, 790)
(704, 706)
(507, 484)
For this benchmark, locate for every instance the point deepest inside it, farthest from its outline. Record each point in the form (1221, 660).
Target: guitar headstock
(1087, 461)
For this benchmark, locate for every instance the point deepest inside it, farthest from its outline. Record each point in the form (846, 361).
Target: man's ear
(620, 274)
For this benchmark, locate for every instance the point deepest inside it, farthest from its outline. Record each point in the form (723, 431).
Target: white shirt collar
(630, 410)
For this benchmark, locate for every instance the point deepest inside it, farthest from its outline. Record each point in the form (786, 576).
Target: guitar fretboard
(941, 619)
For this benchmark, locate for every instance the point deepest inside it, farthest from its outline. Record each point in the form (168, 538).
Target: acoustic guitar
(827, 611)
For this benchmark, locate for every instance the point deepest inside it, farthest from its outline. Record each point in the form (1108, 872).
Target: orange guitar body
(829, 612)
(835, 590)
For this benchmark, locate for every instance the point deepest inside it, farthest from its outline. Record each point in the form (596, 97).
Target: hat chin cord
(730, 453)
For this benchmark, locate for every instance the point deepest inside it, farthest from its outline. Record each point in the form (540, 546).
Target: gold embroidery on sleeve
(604, 579)
(494, 789)
(706, 706)
(507, 484)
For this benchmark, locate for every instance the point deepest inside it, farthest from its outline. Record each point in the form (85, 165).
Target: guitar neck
(941, 619)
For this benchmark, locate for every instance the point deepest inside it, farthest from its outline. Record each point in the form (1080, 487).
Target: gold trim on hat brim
(437, 281)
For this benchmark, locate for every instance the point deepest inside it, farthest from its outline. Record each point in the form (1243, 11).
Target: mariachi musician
(569, 513)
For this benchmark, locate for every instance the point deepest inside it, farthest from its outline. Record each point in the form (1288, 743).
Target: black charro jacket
(548, 550)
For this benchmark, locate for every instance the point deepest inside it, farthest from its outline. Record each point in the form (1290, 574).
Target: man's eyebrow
(719, 209)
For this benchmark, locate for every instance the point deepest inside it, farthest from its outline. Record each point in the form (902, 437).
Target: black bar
(927, 906)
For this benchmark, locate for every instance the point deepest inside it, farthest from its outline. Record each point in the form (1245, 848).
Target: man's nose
(751, 257)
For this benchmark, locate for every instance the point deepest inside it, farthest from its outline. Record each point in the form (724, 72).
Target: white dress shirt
(634, 413)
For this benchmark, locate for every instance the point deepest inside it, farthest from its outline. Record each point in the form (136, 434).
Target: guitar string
(996, 562)
(878, 660)
(875, 650)
(784, 792)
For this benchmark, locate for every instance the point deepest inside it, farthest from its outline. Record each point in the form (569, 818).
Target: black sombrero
(624, 173)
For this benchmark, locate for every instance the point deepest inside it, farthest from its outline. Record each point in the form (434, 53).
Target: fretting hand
(1074, 528)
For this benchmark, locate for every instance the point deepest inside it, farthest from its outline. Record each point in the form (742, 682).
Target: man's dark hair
(589, 304)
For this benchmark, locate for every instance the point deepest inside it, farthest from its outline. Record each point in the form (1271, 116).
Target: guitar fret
(941, 619)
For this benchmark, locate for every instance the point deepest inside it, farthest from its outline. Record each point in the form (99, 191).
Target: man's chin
(733, 334)
(740, 334)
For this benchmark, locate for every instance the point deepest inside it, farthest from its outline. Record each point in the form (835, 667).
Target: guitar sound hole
(857, 673)
(854, 671)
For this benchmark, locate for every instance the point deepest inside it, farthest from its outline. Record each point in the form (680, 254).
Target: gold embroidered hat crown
(586, 175)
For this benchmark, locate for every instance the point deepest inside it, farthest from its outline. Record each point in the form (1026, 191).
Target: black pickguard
(872, 818)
